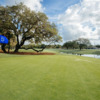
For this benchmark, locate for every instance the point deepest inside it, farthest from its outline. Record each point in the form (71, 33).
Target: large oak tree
(26, 25)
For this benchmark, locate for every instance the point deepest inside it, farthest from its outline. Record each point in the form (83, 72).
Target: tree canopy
(26, 25)
(83, 42)
(78, 43)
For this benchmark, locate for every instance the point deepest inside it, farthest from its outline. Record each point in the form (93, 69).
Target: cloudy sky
(74, 18)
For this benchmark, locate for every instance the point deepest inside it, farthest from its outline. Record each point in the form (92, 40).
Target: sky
(74, 18)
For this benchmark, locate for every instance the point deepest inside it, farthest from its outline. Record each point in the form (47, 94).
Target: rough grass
(77, 51)
(56, 77)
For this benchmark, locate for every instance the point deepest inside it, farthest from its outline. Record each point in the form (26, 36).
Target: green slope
(57, 77)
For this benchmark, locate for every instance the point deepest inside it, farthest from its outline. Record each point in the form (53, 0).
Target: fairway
(46, 77)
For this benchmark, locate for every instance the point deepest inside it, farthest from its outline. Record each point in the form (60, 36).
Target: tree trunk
(3, 48)
(17, 48)
(17, 45)
(9, 43)
(67, 48)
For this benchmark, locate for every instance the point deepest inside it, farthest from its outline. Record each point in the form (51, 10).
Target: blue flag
(3, 39)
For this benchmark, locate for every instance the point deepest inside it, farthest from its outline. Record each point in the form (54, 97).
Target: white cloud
(32, 4)
(81, 20)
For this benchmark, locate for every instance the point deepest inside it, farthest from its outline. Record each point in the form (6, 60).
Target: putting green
(56, 77)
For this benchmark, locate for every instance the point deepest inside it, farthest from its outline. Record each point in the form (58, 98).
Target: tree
(70, 44)
(83, 43)
(67, 44)
(27, 25)
(5, 26)
(74, 44)
(98, 46)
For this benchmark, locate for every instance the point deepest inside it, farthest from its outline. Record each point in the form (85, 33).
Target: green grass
(77, 51)
(45, 50)
(55, 77)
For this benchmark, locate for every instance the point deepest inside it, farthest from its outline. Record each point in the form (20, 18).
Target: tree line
(81, 43)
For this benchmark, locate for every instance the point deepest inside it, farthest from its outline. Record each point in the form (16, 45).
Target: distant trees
(79, 43)
(70, 44)
(98, 46)
(83, 43)
(67, 44)
(26, 25)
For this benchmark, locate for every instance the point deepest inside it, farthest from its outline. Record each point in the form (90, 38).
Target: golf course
(49, 49)
(49, 77)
